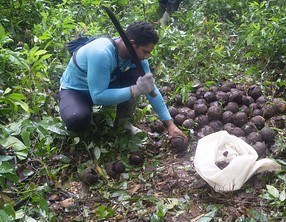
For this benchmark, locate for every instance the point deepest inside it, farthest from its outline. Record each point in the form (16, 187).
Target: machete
(132, 53)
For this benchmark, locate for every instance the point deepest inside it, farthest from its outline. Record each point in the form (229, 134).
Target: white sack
(241, 159)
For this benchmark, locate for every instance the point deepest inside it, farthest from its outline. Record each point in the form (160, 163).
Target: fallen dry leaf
(54, 197)
(67, 203)
(135, 189)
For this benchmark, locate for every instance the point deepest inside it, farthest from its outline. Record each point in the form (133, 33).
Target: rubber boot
(165, 19)
(124, 116)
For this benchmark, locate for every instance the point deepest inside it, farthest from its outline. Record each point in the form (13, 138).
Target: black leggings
(76, 106)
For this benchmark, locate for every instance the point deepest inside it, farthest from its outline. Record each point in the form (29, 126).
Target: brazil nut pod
(179, 144)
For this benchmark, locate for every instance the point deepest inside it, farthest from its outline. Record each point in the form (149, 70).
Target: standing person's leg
(75, 109)
(172, 6)
(162, 7)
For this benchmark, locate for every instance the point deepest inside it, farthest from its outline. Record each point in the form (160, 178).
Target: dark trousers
(76, 107)
(169, 5)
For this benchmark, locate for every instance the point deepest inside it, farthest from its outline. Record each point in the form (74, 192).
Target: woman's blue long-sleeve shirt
(99, 59)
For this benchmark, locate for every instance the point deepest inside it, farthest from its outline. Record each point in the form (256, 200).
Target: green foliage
(103, 212)
(264, 33)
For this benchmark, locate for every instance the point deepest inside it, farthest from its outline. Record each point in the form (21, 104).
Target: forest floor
(164, 176)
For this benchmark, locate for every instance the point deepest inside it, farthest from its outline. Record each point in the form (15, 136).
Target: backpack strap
(75, 52)
(75, 62)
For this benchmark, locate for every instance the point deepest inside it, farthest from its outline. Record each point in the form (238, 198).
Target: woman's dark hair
(142, 33)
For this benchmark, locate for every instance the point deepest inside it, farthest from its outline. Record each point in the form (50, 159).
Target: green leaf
(97, 152)
(17, 60)
(20, 214)
(12, 177)
(56, 130)
(30, 219)
(122, 2)
(2, 32)
(44, 57)
(258, 216)
(40, 52)
(8, 208)
(76, 140)
(5, 158)
(208, 217)
(44, 205)
(17, 96)
(282, 196)
(6, 167)
(4, 40)
(23, 105)
(273, 191)
(19, 148)
(26, 137)
(7, 90)
(250, 39)
(4, 216)
(104, 212)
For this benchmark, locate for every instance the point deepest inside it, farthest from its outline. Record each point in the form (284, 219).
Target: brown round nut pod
(200, 108)
(114, 169)
(254, 91)
(261, 101)
(89, 176)
(178, 100)
(278, 122)
(260, 148)
(191, 101)
(249, 128)
(201, 121)
(209, 96)
(214, 113)
(268, 111)
(232, 106)
(259, 121)
(255, 137)
(216, 125)
(184, 110)
(179, 119)
(157, 126)
(189, 124)
(137, 158)
(222, 97)
(279, 105)
(247, 100)
(236, 131)
(225, 88)
(179, 144)
(227, 117)
(245, 109)
(204, 131)
(240, 118)
(173, 111)
(235, 96)
(268, 134)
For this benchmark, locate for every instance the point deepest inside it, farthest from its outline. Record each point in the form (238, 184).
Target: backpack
(74, 45)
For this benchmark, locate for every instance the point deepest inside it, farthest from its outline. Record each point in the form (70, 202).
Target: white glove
(144, 85)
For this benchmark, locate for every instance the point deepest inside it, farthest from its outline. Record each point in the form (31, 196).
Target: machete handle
(131, 50)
